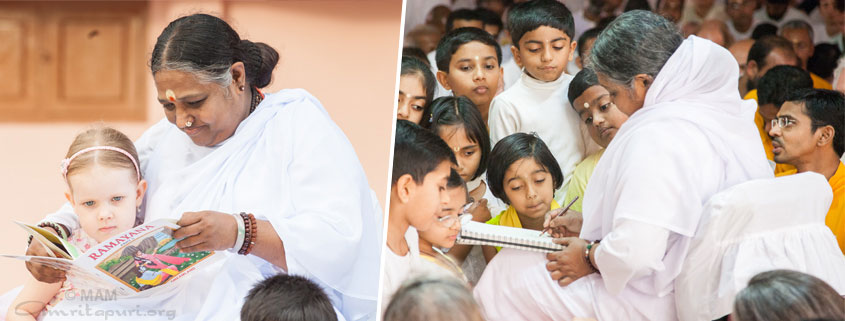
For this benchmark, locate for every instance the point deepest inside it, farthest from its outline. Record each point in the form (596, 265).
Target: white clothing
(693, 137)
(512, 73)
(278, 165)
(741, 35)
(581, 24)
(791, 14)
(532, 105)
(416, 12)
(757, 226)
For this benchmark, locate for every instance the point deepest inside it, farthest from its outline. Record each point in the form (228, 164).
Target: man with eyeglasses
(809, 133)
(778, 82)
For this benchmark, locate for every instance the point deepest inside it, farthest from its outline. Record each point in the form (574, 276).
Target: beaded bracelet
(587, 254)
(239, 240)
(60, 229)
(251, 233)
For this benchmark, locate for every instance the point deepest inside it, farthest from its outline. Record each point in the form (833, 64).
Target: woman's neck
(531, 223)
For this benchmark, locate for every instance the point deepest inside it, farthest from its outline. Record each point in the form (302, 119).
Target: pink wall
(344, 52)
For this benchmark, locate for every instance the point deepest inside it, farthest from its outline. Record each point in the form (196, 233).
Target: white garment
(693, 137)
(741, 35)
(581, 24)
(512, 73)
(757, 226)
(532, 105)
(416, 12)
(278, 165)
(791, 14)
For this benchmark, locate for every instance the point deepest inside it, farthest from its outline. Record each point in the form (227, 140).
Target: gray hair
(433, 298)
(637, 42)
(784, 295)
(216, 74)
(797, 24)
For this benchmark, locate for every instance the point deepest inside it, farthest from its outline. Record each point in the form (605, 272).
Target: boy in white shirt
(542, 33)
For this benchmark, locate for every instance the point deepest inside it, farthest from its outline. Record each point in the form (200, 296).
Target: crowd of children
(527, 120)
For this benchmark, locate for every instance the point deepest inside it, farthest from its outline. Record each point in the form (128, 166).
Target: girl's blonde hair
(102, 136)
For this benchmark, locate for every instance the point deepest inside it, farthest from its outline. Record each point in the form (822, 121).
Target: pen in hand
(559, 214)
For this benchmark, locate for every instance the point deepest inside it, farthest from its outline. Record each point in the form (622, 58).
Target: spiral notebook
(475, 233)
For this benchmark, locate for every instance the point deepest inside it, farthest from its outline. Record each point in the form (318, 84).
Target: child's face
(544, 53)
(529, 187)
(474, 72)
(602, 117)
(467, 152)
(444, 233)
(411, 98)
(429, 196)
(105, 199)
(586, 47)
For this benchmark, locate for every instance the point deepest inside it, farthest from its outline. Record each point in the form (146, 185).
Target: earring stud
(188, 123)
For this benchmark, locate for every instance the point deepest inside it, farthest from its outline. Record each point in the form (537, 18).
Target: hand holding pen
(566, 222)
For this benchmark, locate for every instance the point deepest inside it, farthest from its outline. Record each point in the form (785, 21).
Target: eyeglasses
(783, 122)
(450, 220)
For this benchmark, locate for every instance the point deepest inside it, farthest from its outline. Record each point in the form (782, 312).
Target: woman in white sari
(688, 137)
(225, 148)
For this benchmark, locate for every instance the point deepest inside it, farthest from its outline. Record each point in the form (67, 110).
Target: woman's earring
(241, 87)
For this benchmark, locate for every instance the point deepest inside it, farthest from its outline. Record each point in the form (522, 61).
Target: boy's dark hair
(764, 30)
(417, 152)
(528, 16)
(414, 66)
(779, 82)
(513, 148)
(763, 47)
(490, 18)
(455, 180)
(461, 14)
(586, 36)
(453, 40)
(823, 61)
(285, 297)
(583, 80)
(461, 112)
(416, 53)
(824, 107)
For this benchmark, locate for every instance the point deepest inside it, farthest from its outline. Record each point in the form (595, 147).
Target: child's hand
(43, 272)
(564, 225)
(479, 211)
(206, 231)
(567, 265)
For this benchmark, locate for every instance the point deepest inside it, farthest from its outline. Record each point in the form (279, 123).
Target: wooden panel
(92, 58)
(86, 59)
(17, 94)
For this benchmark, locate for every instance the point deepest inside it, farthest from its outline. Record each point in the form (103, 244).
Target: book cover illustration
(132, 261)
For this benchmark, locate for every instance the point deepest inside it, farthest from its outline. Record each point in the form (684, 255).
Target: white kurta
(693, 137)
(532, 105)
(791, 14)
(285, 163)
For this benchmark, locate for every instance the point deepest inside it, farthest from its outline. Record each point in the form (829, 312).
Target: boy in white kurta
(542, 34)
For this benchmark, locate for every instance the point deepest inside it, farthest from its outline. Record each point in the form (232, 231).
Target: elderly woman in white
(224, 149)
(688, 137)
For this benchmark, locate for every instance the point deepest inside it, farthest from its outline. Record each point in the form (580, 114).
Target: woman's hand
(567, 224)
(39, 271)
(569, 264)
(206, 231)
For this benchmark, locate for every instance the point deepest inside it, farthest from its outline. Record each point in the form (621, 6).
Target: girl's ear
(140, 190)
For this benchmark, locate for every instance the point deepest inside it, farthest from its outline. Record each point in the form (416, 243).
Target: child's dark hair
(453, 40)
(583, 80)
(461, 14)
(414, 66)
(586, 36)
(490, 18)
(416, 53)
(417, 152)
(456, 181)
(462, 113)
(825, 108)
(286, 297)
(528, 16)
(513, 148)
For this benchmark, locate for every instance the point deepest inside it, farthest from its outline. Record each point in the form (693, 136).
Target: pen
(554, 217)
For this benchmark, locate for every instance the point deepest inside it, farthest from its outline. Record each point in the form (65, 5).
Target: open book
(132, 261)
(475, 233)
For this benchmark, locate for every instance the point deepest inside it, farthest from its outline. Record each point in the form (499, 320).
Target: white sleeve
(502, 120)
(632, 249)
(64, 216)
